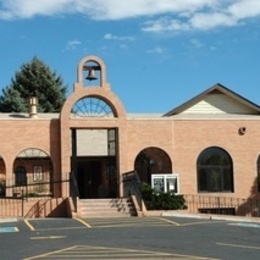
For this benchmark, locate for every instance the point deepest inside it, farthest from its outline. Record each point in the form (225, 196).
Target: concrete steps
(105, 208)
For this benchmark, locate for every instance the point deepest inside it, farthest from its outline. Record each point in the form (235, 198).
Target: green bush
(160, 200)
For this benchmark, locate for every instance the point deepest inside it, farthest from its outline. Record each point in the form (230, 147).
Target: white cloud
(171, 15)
(72, 45)
(245, 9)
(110, 36)
(99, 9)
(204, 21)
(196, 43)
(164, 24)
(156, 50)
(224, 14)
(28, 8)
(123, 47)
(213, 48)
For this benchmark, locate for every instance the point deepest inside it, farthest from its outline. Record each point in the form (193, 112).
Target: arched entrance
(152, 160)
(94, 162)
(94, 150)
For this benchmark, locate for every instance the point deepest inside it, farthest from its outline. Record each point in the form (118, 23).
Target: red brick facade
(181, 138)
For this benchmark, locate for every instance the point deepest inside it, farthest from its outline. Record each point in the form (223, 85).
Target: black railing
(13, 196)
(74, 190)
(132, 186)
(31, 188)
(222, 205)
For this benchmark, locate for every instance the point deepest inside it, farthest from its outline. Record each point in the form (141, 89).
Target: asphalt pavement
(163, 237)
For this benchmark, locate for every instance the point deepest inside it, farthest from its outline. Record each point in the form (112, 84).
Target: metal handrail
(222, 205)
(132, 186)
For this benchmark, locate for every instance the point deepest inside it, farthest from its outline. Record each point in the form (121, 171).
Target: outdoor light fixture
(242, 130)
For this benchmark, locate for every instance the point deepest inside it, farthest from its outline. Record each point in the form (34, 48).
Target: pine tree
(34, 79)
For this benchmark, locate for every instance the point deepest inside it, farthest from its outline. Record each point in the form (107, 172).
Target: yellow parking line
(96, 252)
(83, 222)
(239, 246)
(59, 228)
(47, 237)
(131, 225)
(50, 253)
(201, 223)
(28, 224)
(169, 221)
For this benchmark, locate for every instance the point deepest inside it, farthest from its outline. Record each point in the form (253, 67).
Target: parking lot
(129, 238)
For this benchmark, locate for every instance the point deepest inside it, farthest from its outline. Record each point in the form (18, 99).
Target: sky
(158, 54)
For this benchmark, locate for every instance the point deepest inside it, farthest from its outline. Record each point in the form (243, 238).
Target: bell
(91, 75)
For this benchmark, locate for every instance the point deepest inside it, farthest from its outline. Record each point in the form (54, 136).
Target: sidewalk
(211, 216)
(185, 214)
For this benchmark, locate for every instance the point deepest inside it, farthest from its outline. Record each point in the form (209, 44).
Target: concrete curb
(6, 220)
(212, 217)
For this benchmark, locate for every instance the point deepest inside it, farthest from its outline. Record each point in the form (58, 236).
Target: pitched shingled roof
(217, 88)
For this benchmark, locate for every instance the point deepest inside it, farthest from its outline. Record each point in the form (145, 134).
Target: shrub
(161, 201)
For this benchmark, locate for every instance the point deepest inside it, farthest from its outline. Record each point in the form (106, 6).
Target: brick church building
(210, 145)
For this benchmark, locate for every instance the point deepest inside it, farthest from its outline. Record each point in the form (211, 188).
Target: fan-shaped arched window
(215, 171)
(20, 176)
(92, 107)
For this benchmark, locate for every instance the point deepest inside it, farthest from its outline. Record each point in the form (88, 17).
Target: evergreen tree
(34, 79)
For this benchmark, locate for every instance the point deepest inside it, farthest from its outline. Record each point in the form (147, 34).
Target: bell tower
(91, 73)
(91, 121)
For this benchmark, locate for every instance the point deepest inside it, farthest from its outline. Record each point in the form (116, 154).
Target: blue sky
(158, 54)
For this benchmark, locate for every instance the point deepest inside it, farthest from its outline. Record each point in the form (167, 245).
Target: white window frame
(164, 177)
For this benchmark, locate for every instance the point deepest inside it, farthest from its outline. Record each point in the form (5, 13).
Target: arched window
(258, 174)
(92, 107)
(215, 171)
(20, 176)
